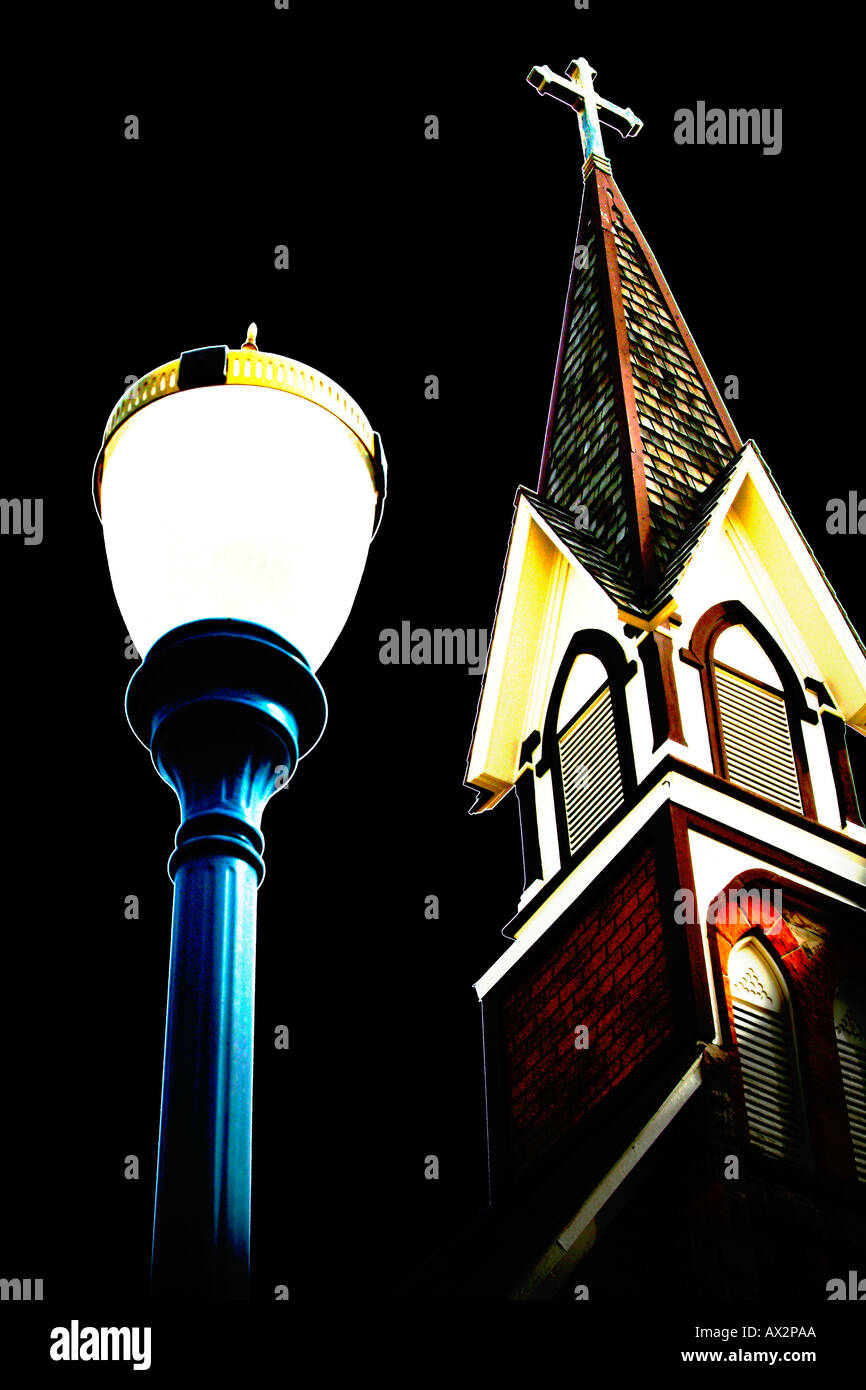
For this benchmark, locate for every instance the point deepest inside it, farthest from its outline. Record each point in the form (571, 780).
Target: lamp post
(238, 493)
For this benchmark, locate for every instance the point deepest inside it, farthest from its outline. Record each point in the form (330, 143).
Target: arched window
(755, 737)
(755, 707)
(586, 743)
(849, 1016)
(765, 1043)
(588, 754)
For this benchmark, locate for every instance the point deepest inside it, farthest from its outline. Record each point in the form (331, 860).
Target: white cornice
(584, 873)
(714, 803)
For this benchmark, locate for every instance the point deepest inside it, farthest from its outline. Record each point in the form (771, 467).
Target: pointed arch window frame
(811, 997)
(619, 670)
(700, 654)
(849, 995)
(755, 937)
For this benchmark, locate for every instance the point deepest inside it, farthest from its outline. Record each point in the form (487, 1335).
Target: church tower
(675, 1035)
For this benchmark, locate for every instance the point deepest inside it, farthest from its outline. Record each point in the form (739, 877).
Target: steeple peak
(637, 433)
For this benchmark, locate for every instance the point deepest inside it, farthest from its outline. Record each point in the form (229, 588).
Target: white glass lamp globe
(237, 501)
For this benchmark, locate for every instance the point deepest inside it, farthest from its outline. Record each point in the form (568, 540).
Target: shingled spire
(637, 432)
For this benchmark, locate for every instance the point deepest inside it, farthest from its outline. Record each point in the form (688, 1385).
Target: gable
(743, 545)
(785, 585)
(544, 588)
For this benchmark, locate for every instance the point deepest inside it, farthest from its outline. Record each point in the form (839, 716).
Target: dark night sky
(407, 257)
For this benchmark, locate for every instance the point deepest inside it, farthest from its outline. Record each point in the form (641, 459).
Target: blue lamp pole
(226, 709)
(238, 508)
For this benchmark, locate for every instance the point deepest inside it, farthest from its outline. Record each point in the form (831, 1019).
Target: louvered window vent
(766, 1050)
(591, 775)
(757, 738)
(851, 1041)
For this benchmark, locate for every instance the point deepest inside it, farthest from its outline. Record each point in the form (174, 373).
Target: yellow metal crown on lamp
(247, 366)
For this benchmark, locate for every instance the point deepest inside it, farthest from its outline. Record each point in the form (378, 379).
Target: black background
(408, 257)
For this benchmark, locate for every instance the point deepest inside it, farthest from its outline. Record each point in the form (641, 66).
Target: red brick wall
(607, 972)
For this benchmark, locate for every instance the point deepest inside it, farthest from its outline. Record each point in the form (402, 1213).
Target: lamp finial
(250, 344)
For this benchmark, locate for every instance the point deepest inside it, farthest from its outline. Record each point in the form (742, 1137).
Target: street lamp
(238, 493)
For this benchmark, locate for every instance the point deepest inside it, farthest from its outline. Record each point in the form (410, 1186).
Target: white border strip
(574, 1241)
(550, 911)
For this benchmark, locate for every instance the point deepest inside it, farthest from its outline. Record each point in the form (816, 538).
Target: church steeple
(637, 432)
(667, 688)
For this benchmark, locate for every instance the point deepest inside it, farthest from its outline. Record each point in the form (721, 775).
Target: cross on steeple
(577, 91)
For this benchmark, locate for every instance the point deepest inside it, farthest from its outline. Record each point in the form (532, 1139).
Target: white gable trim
(570, 556)
(814, 623)
(525, 637)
